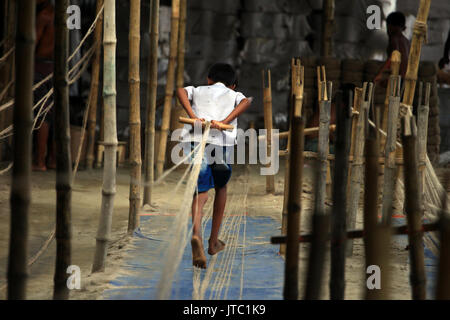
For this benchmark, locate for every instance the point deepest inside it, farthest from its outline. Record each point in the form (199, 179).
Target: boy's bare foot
(198, 255)
(216, 247)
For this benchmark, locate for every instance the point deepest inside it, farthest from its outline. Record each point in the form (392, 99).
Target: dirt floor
(86, 202)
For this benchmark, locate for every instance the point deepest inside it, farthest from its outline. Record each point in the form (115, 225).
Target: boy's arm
(184, 100)
(240, 108)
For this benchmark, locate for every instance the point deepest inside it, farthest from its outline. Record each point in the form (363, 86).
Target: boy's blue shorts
(213, 175)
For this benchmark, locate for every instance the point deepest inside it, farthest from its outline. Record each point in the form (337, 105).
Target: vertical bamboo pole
(267, 101)
(327, 28)
(396, 58)
(358, 161)
(178, 111)
(151, 101)
(135, 115)
(295, 107)
(422, 133)
(419, 36)
(321, 218)
(169, 87)
(294, 209)
(181, 48)
(63, 157)
(110, 131)
(339, 212)
(20, 197)
(376, 237)
(355, 116)
(413, 209)
(93, 92)
(390, 170)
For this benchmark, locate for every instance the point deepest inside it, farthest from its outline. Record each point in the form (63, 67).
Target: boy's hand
(217, 124)
(198, 119)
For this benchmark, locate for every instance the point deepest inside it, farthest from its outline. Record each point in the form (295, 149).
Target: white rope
(220, 277)
(235, 249)
(179, 241)
(229, 260)
(90, 30)
(213, 261)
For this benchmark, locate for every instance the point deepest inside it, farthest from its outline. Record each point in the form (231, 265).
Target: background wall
(253, 35)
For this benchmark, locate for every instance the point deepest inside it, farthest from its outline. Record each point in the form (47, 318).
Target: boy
(396, 24)
(219, 103)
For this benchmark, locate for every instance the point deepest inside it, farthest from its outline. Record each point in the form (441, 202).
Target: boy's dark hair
(396, 19)
(223, 72)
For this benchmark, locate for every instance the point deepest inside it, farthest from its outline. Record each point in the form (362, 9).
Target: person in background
(443, 72)
(44, 156)
(396, 24)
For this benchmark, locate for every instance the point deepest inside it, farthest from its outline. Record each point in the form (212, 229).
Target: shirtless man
(396, 24)
(45, 43)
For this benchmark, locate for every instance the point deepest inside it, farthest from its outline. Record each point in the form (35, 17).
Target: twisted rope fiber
(179, 241)
(242, 217)
(212, 263)
(232, 234)
(229, 259)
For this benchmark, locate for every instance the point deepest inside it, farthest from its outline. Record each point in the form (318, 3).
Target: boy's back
(214, 102)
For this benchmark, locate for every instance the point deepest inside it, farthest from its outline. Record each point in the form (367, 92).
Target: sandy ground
(85, 214)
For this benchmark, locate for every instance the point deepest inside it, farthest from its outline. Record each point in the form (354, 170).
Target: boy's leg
(198, 254)
(197, 212)
(220, 199)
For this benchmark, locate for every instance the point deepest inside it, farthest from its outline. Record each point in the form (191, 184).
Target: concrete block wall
(272, 32)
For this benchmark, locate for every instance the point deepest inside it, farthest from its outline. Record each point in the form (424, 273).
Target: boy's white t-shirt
(213, 102)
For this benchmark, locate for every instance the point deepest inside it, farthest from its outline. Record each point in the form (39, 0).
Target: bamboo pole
(192, 122)
(267, 102)
(376, 237)
(321, 218)
(63, 157)
(294, 210)
(413, 209)
(327, 28)
(308, 131)
(396, 58)
(358, 161)
(181, 48)
(422, 133)
(418, 37)
(20, 197)
(339, 212)
(169, 87)
(357, 234)
(151, 101)
(110, 132)
(295, 73)
(178, 111)
(355, 116)
(135, 115)
(93, 92)
(390, 170)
